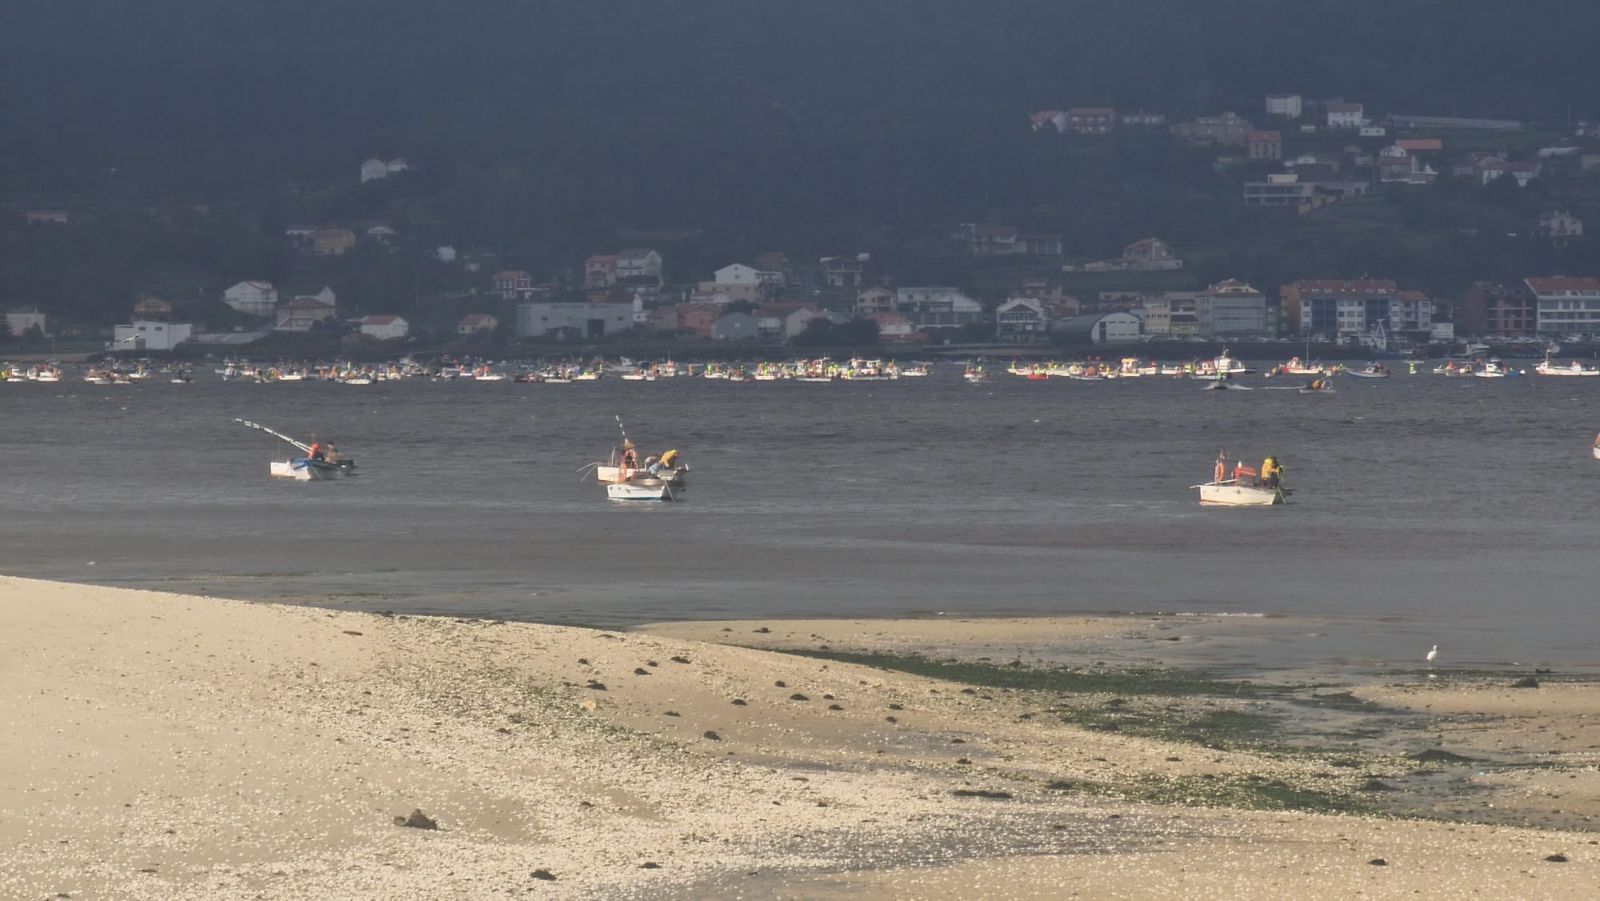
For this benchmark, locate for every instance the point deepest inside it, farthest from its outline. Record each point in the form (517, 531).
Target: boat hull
(301, 469)
(1240, 496)
(633, 491)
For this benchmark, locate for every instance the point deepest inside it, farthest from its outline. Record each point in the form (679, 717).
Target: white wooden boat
(1373, 371)
(1566, 369)
(635, 491)
(1236, 494)
(304, 469)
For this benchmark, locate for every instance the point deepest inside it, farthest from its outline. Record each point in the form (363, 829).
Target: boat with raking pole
(312, 466)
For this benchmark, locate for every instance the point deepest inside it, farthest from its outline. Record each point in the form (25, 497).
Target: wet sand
(171, 746)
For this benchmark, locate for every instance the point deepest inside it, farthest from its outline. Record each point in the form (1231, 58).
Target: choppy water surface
(1427, 509)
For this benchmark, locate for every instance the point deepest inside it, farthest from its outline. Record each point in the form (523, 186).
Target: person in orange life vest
(1222, 467)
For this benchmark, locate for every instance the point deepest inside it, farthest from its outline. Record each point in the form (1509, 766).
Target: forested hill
(797, 122)
(226, 89)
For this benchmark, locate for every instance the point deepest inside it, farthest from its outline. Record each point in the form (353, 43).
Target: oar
(259, 427)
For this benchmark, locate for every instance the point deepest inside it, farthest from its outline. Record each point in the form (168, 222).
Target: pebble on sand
(417, 820)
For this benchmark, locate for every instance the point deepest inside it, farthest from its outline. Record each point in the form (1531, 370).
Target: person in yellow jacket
(1271, 472)
(669, 459)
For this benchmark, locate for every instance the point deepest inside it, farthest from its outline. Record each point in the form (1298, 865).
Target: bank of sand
(167, 746)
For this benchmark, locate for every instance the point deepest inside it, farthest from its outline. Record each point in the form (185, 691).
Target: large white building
(1566, 306)
(255, 298)
(144, 334)
(584, 321)
(1285, 105)
(1230, 309)
(937, 307)
(1349, 309)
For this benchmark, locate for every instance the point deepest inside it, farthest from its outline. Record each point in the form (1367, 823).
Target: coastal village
(1016, 287)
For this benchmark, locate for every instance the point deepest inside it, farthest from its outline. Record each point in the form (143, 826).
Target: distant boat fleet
(1221, 369)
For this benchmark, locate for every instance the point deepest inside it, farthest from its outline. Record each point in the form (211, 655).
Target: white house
(740, 274)
(1021, 319)
(383, 327)
(636, 262)
(738, 282)
(873, 301)
(1285, 105)
(150, 335)
(254, 298)
(1345, 115)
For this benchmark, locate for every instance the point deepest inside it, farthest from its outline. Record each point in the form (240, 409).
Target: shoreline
(168, 746)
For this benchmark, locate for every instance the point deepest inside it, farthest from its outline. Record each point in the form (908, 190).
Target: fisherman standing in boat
(1271, 472)
(1222, 467)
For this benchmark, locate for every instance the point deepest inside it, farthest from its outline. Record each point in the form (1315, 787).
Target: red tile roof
(1557, 284)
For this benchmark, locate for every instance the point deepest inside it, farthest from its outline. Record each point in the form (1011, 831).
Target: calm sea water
(1427, 509)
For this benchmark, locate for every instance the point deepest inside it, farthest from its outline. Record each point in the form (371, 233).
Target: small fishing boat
(1370, 371)
(1573, 368)
(627, 480)
(313, 466)
(1243, 489)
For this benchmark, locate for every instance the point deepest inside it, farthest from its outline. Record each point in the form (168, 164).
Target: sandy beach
(170, 746)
